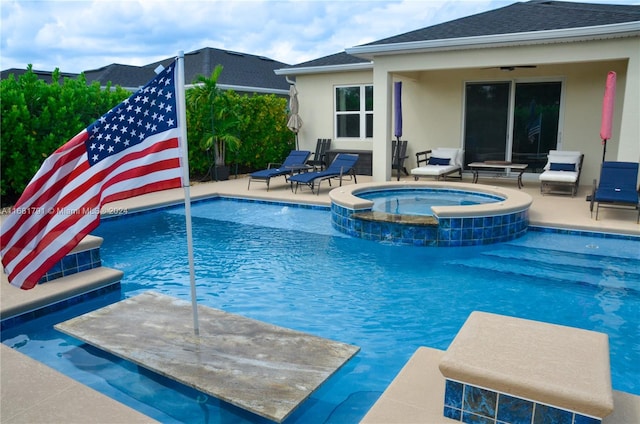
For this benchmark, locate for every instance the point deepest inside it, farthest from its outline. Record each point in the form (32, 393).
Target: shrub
(37, 118)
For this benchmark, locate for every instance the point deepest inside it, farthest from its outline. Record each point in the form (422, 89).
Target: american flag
(131, 150)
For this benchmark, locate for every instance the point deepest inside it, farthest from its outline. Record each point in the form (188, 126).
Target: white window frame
(362, 112)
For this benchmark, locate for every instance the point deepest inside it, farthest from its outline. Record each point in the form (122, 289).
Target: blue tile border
(57, 306)
(73, 263)
(180, 204)
(583, 233)
(471, 404)
(448, 232)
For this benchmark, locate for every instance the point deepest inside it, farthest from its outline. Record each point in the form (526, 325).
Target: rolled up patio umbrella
(607, 111)
(295, 122)
(397, 102)
(397, 107)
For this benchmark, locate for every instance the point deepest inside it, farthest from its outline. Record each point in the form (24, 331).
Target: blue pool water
(287, 266)
(419, 201)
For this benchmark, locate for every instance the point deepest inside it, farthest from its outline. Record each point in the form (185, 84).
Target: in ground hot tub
(478, 214)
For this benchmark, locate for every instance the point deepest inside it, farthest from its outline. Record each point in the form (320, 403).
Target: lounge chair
(438, 163)
(398, 156)
(617, 188)
(295, 162)
(320, 156)
(563, 169)
(342, 165)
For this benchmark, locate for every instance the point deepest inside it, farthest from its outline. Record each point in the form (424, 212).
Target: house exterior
(243, 72)
(508, 84)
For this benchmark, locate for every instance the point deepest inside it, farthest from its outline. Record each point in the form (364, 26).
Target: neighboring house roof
(126, 76)
(46, 76)
(532, 21)
(242, 72)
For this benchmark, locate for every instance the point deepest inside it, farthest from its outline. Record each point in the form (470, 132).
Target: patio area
(32, 392)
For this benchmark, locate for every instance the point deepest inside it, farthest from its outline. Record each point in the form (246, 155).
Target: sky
(76, 36)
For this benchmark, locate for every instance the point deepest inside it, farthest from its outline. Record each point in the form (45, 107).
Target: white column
(382, 131)
(629, 149)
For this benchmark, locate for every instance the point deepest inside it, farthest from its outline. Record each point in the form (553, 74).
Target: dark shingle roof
(341, 58)
(46, 76)
(124, 75)
(536, 15)
(239, 69)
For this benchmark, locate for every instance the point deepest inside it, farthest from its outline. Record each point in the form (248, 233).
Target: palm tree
(214, 115)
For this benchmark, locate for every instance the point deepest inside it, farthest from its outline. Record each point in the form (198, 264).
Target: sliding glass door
(511, 121)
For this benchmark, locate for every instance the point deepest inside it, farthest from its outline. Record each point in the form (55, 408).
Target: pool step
(560, 266)
(561, 258)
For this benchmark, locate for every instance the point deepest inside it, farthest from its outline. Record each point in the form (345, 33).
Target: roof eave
(351, 67)
(625, 29)
(244, 88)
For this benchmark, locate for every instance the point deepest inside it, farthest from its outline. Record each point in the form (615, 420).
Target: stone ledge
(15, 301)
(560, 366)
(400, 219)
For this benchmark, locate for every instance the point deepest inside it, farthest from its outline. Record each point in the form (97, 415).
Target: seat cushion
(616, 196)
(559, 176)
(269, 173)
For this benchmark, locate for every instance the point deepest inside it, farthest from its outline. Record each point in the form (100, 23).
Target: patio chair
(398, 156)
(617, 188)
(562, 170)
(438, 163)
(342, 165)
(320, 156)
(295, 162)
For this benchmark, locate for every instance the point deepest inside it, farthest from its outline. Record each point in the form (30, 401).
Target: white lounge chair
(438, 163)
(562, 170)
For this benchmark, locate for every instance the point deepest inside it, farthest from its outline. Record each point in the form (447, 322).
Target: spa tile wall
(450, 232)
(471, 404)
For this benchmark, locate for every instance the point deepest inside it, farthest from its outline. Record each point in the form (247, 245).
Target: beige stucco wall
(433, 97)
(317, 105)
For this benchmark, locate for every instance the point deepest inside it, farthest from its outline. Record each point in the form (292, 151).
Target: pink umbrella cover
(607, 106)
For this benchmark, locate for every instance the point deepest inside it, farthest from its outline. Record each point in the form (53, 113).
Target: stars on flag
(149, 111)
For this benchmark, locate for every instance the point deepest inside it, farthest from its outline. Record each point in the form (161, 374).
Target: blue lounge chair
(295, 162)
(617, 188)
(342, 165)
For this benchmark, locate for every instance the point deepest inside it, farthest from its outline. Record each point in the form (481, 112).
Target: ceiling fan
(512, 67)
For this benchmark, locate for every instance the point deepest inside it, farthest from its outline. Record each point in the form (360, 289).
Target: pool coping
(514, 200)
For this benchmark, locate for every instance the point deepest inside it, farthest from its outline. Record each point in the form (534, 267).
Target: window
(354, 112)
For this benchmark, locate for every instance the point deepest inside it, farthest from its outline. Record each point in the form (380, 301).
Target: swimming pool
(288, 266)
(414, 201)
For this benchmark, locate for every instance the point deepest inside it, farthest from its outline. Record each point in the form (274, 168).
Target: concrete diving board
(259, 367)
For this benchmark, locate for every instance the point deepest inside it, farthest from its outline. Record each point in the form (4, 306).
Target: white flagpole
(182, 118)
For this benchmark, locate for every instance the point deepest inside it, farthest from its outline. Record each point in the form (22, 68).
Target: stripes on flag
(131, 150)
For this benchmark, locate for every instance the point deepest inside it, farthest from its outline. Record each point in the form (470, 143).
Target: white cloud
(81, 35)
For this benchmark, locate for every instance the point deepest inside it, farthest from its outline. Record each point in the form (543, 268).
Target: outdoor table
(495, 167)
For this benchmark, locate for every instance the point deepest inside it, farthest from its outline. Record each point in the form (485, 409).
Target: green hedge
(37, 118)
